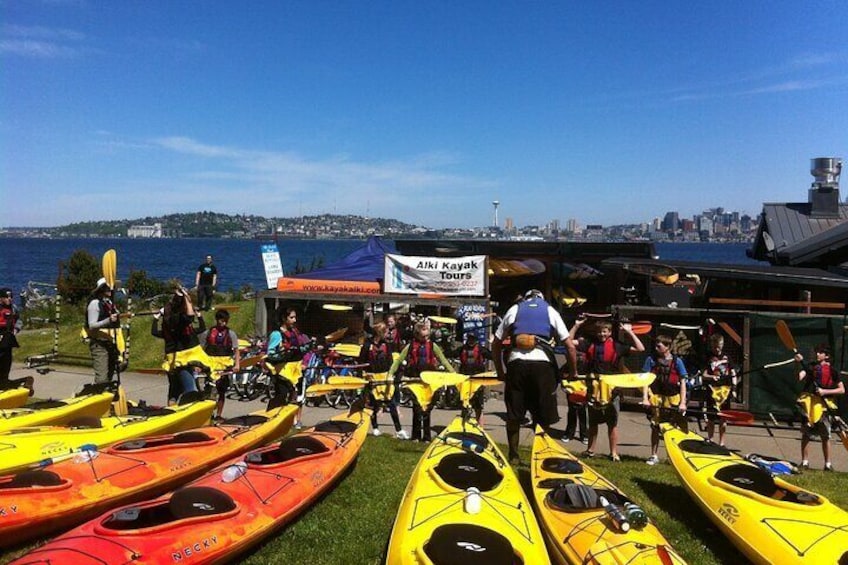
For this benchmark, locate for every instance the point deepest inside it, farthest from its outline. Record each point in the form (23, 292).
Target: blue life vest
(532, 318)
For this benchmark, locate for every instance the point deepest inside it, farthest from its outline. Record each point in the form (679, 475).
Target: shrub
(78, 276)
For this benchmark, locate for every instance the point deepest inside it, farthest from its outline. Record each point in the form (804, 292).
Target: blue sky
(607, 112)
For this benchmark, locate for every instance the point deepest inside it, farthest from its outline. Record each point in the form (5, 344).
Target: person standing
(474, 359)
(222, 342)
(287, 345)
(377, 353)
(530, 372)
(603, 356)
(10, 325)
(821, 382)
(718, 376)
(206, 280)
(667, 399)
(183, 354)
(102, 321)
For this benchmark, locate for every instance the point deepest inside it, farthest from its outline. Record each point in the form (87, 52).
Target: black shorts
(605, 413)
(222, 384)
(531, 386)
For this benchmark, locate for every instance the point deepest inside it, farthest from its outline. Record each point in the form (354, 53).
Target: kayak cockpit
(188, 502)
(753, 480)
(574, 497)
(33, 479)
(295, 447)
(191, 437)
(465, 470)
(470, 545)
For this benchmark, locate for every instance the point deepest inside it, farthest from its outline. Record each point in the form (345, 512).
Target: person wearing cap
(530, 372)
(10, 324)
(206, 279)
(183, 352)
(102, 320)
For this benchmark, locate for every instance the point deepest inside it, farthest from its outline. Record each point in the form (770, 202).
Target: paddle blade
(733, 334)
(110, 267)
(438, 379)
(785, 336)
(641, 328)
(738, 417)
(336, 335)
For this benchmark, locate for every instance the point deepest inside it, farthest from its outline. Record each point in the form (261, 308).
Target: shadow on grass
(669, 499)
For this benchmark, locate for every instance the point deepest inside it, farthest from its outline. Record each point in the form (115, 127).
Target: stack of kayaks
(567, 494)
(56, 412)
(23, 447)
(464, 504)
(768, 519)
(87, 483)
(223, 513)
(14, 397)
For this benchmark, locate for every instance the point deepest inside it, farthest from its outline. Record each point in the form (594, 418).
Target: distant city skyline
(611, 112)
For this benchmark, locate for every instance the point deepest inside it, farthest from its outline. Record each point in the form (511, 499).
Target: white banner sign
(453, 276)
(273, 264)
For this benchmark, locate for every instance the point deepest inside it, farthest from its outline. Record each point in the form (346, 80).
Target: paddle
(227, 307)
(730, 332)
(109, 265)
(443, 319)
(785, 336)
(438, 379)
(337, 307)
(629, 380)
(336, 335)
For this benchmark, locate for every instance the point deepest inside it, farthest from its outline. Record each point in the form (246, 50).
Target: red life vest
(471, 361)
(605, 365)
(219, 342)
(379, 357)
(421, 355)
(667, 382)
(824, 375)
(8, 319)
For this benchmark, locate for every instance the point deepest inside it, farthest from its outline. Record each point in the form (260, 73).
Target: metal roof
(799, 238)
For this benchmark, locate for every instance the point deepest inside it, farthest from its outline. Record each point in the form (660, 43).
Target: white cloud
(41, 42)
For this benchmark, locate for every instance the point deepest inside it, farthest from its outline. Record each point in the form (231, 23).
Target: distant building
(145, 231)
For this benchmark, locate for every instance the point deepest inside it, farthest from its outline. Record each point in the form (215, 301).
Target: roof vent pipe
(824, 192)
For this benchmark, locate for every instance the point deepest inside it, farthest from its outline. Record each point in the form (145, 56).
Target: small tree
(143, 286)
(78, 276)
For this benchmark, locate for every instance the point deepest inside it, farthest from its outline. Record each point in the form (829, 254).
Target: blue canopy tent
(363, 264)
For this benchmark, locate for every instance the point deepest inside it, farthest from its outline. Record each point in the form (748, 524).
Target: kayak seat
(554, 483)
(181, 438)
(44, 404)
(468, 544)
(289, 449)
(755, 479)
(465, 470)
(85, 422)
(336, 427)
(577, 498)
(247, 420)
(186, 502)
(190, 397)
(703, 447)
(33, 478)
(562, 466)
(469, 437)
(276, 401)
(97, 388)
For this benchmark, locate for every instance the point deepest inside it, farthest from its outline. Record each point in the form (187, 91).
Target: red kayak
(223, 513)
(59, 495)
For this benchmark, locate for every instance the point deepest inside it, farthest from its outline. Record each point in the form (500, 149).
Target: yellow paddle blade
(467, 389)
(336, 335)
(251, 361)
(110, 267)
(438, 379)
(629, 380)
(119, 406)
(319, 390)
(379, 378)
(443, 319)
(572, 387)
(347, 349)
(422, 392)
(344, 380)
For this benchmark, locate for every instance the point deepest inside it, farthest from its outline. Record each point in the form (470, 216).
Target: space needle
(496, 203)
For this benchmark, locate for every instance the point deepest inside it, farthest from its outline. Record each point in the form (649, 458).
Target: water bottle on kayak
(615, 514)
(473, 501)
(635, 515)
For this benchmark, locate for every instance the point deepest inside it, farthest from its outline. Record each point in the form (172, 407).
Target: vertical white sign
(273, 264)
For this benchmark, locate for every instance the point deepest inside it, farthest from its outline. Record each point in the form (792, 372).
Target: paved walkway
(634, 430)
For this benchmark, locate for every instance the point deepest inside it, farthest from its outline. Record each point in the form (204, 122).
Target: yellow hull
(24, 447)
(768, 519)
(438, 515)
(89, 406)
(14, 397)
(587, 535)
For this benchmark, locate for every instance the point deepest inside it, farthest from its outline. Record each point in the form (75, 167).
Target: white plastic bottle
(473, 501)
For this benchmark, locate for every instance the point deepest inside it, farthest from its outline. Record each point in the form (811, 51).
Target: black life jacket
(105, 308)
(218, 342)
(379, 357)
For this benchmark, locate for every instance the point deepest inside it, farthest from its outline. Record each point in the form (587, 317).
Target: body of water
(239, 261)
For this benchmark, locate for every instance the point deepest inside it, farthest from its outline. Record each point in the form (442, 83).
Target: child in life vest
(718, 375)
(666, 396)
(473, 360)
(602, 356)
(221, 341)
(377, 352)
(821, 383)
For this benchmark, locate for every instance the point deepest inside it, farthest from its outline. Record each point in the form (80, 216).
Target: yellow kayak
(567, 495)
(56, 412)
(464, 503)
(768, 519)
(14, 397)
(24, 447)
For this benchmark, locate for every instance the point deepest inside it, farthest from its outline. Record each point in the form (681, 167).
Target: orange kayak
(223, 513)
(62, 494)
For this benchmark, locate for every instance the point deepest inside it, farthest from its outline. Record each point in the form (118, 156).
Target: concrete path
(634, 430)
